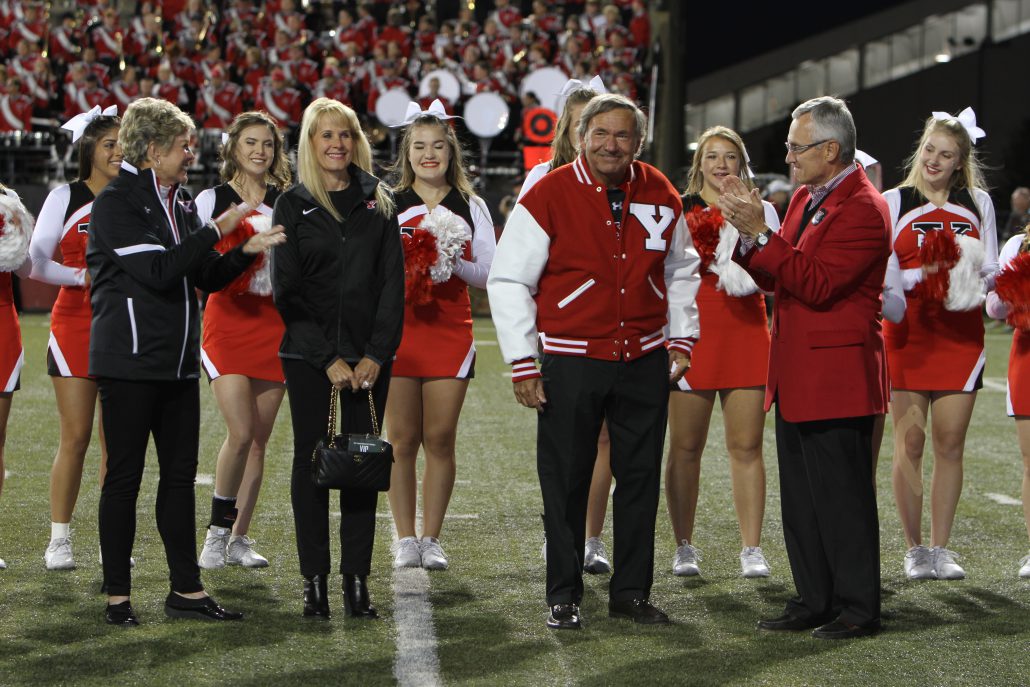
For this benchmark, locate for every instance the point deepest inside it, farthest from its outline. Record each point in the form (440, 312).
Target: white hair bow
(435, 109)
(967, 118)
(79, 122)
(225, 138)
(571, 85)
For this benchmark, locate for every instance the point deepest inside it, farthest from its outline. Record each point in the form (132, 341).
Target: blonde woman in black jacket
(147, 252)
(338, 282)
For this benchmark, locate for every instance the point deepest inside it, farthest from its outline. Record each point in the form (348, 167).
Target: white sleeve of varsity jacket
(518, 263)
(484, 244)
(47, 236)
(682, 280)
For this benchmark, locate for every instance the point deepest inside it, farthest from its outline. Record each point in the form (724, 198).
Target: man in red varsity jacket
(596, 262)
(827, 367)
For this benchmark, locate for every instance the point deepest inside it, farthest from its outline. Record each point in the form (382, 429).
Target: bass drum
(392, 106)
(450, 89)
(546, 85)
(486, 114)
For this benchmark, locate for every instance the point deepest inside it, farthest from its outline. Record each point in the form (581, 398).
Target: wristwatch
(763, 238)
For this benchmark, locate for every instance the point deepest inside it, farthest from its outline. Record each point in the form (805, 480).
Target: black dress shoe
(564, 617)
(355, 597)
(789, 623)
(839, 629)
(316, 597)
(121, 614)
(177, 606)
(638, 610)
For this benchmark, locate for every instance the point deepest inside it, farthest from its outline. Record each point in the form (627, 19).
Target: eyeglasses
(798, 149)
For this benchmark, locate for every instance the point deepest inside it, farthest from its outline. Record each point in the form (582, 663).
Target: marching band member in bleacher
(241, 336)
(946, 243)
(62, 224)
(14, 257)
(596, 259)
(437, 356)
(730, 361)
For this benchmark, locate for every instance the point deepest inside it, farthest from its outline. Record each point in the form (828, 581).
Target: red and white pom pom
(733, 279)
(420, 254)
(966, 288)
(261, 269)
(451, 233)
(938, 254)
(704, 224)
(15, 231)
(1013, 287)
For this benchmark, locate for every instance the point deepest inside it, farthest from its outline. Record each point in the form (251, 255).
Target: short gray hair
(831, 119)
(606, 103)
(150, 120)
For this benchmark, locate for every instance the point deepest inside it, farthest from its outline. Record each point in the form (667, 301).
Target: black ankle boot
(316, 597)
(355, 597)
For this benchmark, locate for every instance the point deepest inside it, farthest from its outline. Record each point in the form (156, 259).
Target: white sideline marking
(485, 343)
(506, 374)
(449, 516)
(1004, 500)
(415, 662)
(994, 384)
(7, 473)
(205, 479)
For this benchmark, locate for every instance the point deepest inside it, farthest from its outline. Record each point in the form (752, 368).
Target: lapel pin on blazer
(819, 216)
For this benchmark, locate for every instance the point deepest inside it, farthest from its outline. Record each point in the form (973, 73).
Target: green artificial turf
(488, 609)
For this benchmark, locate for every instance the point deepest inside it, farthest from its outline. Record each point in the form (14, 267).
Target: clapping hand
(264, 240)
(741, 208)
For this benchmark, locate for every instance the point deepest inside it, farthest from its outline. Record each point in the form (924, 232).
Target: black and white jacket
(147, 255)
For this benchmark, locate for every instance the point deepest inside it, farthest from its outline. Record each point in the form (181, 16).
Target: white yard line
(415, 662)
(994, 384)
(205, 479)
(1004, 500)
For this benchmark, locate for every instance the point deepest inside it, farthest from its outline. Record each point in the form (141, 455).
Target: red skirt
(437, 340)
(242, 335)
(68, 350)
(934, 349)
(12, 357)
(733, 351)
(1018, 400)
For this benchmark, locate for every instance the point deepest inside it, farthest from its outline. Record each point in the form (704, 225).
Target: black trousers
(131, 413)
(581, 393)
(308, 389)
(830, 523)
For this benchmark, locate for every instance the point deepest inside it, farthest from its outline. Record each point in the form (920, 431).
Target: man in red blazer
(827, 371)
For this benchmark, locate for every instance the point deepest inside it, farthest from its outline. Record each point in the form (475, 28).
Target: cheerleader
(564, 149)
(1018, 396)
(62, 224)
(15, 230)
(729, 361)
(436, 358)
(941, 217)
(242, 331)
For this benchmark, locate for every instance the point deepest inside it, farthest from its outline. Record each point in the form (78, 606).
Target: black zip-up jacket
(339, 287)
(145, 259)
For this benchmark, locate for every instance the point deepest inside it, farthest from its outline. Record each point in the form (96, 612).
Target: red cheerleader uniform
(733, 350)
(1017, 397)
(12, 357)
(437, 340)
(934, 349)
(63, 223)
(242, 330)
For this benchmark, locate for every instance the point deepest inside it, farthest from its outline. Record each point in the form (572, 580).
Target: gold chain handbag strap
(372, 410)
(332, 416)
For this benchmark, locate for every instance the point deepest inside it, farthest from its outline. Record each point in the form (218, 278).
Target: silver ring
(365, 384)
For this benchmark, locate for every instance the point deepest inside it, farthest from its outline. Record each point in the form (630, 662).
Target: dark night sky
(720, 36)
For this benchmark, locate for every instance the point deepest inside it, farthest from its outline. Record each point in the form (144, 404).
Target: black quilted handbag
(352, 461)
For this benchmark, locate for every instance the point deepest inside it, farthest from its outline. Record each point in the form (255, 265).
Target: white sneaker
(753, 563)
(407, 553)
(945, 566)
(3, 566)
(686, 560)
(433, 557)
(212, 556)
(58, 555)
(1023, 572)
(241, 552)
(595, 557)
(919, 564)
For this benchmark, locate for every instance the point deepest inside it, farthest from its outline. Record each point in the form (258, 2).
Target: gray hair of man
(606, 103)
(831, 120)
